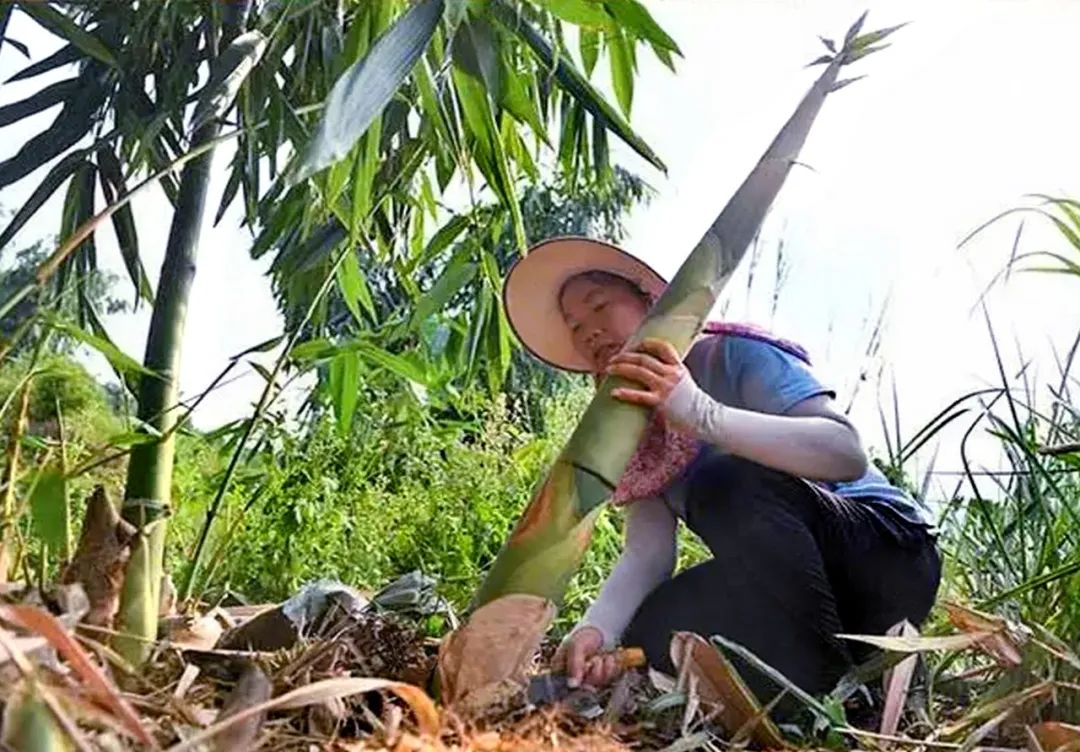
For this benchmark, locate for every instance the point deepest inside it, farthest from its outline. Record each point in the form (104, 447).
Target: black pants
(792, 567)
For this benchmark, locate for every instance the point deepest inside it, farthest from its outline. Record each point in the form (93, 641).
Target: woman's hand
(655, 365)
(582, 659)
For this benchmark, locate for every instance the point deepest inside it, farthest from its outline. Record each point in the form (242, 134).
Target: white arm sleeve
(648, 558)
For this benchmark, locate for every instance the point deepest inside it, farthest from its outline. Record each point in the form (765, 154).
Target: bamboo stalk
(546, 547)
(11, 473)
(147, 494)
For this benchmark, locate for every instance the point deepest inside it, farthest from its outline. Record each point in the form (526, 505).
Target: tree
(549, 209)
(93, 293)
(411, 99)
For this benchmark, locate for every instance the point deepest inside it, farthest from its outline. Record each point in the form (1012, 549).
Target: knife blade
(551, 687)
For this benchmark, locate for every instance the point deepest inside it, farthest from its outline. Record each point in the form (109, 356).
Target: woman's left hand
(655, 365)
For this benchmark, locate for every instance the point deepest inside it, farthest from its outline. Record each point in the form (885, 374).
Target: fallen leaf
(192, 633)
(719, 685)
(45, 624)
(252, 689)
(495, 646)
(268, 631)
(427, 716)
(898, 682)
(1002, 640)
(1056, 737)
(917, 644)
(187, 678)
(98, 563)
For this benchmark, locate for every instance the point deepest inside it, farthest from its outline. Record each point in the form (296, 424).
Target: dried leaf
(916, 644)
(720, 685)
(187, 678)
(1003, 641)
(495, 645)
(252, 689)
(45, 624)
(897, 683)
(423, 708)
(1053, 736)
(269, 630)
(98, 564)
(201, 633)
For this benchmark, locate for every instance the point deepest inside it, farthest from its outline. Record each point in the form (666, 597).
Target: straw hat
(533, 284)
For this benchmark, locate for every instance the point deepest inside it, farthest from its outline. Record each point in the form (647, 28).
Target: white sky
(971, 108)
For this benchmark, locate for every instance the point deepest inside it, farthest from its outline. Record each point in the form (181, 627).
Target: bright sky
(970, 109)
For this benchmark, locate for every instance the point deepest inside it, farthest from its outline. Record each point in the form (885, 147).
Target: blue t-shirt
(756, 375)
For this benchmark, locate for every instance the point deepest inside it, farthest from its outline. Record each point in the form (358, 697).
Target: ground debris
(98, 563)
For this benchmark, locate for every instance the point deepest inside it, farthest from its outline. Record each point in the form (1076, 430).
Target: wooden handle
(631, 657)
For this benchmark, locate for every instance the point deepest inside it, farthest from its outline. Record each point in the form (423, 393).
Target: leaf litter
(334, 669)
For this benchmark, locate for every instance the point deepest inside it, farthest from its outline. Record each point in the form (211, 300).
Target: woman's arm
(648, 558)
(810, 440)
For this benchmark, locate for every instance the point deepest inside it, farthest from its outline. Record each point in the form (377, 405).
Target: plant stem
(260, 409)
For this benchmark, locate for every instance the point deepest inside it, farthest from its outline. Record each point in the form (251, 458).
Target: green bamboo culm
(549, 542)
(147, 494)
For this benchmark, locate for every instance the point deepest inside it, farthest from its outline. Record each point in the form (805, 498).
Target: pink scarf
(665, 451)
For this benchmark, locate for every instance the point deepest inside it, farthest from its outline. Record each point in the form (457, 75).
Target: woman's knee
(737, 505)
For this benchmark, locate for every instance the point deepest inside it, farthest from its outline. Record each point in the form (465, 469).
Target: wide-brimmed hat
(533, 284)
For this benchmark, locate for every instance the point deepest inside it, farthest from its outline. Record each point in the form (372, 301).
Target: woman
(747, 448)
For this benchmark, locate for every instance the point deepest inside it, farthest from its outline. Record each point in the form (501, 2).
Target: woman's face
(602, 315)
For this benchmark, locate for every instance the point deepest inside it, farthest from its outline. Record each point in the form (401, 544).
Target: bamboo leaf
(115, 187)
(5, 16)
(573, 81)
(71, 125)
(873, 37)
(634, 18)
(441, 240)
(48, 508)
(69, 53)
(475, 48)
(132, 438)
(589, 46)
(117, 358)
(62, 26)
(859, 54)
(489, 154)
(396, 364)
(312, 350)
(19, 46)
(227, 195)
(354, 288)
(589, 14)
(362, 92)
(830, 45)
(344, 379)
(845, 82)
(227, 74)
(60, 172)
(853, 32)
(622, 69)
(42, 100)
(457, 274)
(517, 99)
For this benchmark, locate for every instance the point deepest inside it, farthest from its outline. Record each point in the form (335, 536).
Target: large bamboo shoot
(546, 547)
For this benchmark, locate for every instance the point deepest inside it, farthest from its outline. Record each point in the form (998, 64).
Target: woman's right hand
(582, 659)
